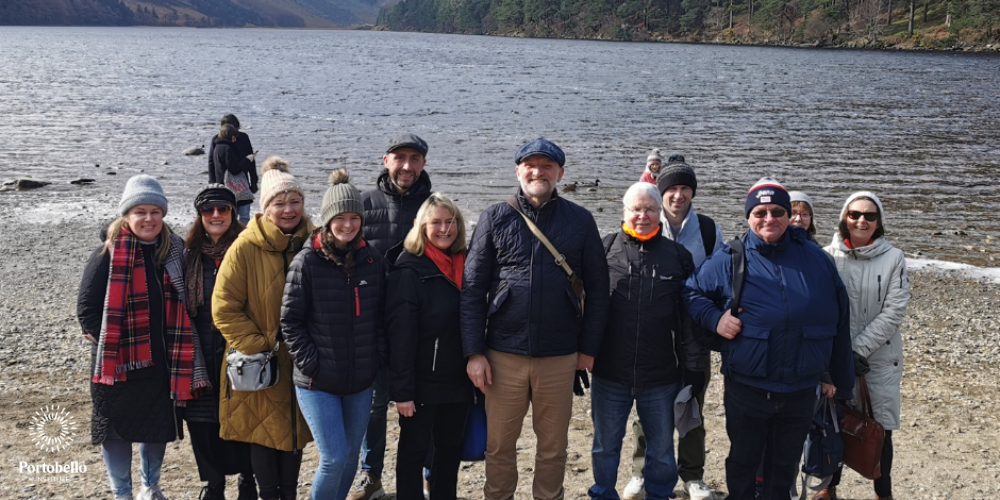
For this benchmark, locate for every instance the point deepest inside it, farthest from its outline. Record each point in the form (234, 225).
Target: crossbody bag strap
(560, 258)
(866, 398)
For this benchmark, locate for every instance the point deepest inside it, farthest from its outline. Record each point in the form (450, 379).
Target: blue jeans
(243, 213)
(610, 406)
(118, 459)
(337, 423)
(373, 446)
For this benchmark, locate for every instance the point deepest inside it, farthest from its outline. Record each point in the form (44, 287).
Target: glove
(250, 157)
(696, 379)
(580, 382)
(861, 366)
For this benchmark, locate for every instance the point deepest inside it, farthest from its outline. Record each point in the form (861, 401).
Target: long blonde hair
(416, 239)
(115, 228)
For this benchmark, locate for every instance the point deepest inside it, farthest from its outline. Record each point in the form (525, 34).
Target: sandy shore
(945, 449)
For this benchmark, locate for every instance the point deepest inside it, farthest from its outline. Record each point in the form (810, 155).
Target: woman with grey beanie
(146, 357)
(332, 321)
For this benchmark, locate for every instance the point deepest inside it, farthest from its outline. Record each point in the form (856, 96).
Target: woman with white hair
(645, 354)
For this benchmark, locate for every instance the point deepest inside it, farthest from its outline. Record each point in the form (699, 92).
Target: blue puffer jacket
(515, 299)
(796, 316)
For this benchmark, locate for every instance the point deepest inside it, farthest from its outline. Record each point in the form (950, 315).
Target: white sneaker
(697, 490)
(635, 490)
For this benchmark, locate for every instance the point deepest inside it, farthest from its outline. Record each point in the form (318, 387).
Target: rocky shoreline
(943, 451)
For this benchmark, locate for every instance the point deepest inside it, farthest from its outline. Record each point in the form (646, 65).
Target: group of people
(386, 300)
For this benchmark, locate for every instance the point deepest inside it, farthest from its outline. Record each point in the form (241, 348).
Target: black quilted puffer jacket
(388, 214)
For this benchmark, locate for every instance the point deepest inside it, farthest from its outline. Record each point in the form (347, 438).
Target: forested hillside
(937, 24)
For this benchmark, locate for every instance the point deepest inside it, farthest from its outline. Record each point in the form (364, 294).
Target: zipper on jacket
(357, 302)
(638, 317)
(435, 359)
(878, 297)
(784, 296)
(350, 338)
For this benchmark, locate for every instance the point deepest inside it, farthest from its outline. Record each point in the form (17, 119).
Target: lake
(920, 129)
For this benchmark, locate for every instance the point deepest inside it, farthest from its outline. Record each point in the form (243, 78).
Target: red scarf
(847, 241)
(451, 265)
(631, 232)
(124, 344)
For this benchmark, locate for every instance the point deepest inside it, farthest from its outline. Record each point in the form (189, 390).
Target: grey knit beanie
(142, 190)
(341, 198)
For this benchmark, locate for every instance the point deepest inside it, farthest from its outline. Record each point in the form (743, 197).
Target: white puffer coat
(879, 291)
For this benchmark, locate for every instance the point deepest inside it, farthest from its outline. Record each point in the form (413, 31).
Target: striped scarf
(124, 343)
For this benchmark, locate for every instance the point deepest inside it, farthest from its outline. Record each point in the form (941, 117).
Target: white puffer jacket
(879, 291)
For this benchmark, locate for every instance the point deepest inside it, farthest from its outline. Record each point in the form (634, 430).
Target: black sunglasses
(223, 209)
(776, 213)
(869, 216)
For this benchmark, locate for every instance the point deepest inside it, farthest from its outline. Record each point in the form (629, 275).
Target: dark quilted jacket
(515, 299)
(388, 214)
(332, 321)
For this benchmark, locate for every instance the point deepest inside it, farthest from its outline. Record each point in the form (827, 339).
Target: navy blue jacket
(796, 314)
(515, 299)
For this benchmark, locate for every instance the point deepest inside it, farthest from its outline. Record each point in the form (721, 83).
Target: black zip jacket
(426, 364)
(646, 343)
(243, 149)
(388, 214)
(332, 321)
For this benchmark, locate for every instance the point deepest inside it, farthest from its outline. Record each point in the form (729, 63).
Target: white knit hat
(275, 179)
(865, 194)
(142, 190)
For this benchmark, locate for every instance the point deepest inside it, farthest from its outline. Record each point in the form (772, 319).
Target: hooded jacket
(796, 317)
(246, 307)
(879, 291)
(332, 319)
(388, 214)
(243, 148)
(516, 299)
(645, 342)
(426, 364)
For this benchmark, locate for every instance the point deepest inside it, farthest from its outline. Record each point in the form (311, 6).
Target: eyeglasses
(802, 215)
(650, 212)
(869, 216)
(776, 213)
(222, 209)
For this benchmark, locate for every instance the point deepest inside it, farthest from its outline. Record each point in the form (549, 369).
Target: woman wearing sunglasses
(875, 275)
(214, 230)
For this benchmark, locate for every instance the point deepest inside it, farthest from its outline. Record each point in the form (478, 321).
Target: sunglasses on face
(869, 216)
(776, 213)
(209, 209)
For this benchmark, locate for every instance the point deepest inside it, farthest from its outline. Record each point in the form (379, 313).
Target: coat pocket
(817, 346)
(748, 352)
(499, 297)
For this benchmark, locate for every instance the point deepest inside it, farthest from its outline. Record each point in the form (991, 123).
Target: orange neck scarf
(450, 265)
(631, 232)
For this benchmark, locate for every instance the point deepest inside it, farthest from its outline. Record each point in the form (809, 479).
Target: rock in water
(26, 184)
(82, 182)
(195, 150)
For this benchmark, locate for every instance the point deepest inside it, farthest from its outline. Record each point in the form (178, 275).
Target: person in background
(701, 236)
(646, 353)
(246, 308)
(879, 289)
(390, 208)
(227, 160)
(653, 163)
(244, 151)
(426, 366)
(803, 213)
(792, 323)
(214, 230)
(331, 318)
(524, 332)
(145, 355)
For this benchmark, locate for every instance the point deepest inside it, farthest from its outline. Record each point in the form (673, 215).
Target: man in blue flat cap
(524, 331)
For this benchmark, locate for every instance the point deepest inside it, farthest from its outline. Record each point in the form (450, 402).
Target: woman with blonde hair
(427, 374)
(246, 307)
(146, 359)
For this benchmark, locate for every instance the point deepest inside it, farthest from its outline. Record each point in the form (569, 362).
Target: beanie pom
(338, 176)
(274, 163)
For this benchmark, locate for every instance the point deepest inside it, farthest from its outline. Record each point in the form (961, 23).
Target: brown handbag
(863, 436)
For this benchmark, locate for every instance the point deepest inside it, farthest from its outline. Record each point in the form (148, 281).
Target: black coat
(388, 214)
(243, 149)
(515, 299)
(426, 364)
(646, 342)
(205, 408)
(332, 321)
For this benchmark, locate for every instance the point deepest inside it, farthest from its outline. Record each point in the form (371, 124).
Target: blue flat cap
(542, 147)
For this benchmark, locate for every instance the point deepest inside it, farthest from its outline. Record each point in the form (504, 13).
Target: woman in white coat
(879, 289)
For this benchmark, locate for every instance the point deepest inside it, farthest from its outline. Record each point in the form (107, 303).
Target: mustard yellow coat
(246, 307)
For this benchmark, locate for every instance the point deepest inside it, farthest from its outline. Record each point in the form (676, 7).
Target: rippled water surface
(919, 129)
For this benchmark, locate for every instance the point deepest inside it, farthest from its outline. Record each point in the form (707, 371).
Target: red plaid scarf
(124, 344)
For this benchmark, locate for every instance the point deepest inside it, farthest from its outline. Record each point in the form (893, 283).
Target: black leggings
(277, 472)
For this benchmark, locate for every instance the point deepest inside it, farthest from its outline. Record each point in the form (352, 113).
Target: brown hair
(115, 228)
(812, 217)
(197, 237)
(845, 232)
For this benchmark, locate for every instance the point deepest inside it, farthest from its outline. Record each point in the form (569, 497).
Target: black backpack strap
(707, 227)
(609, 241)
(739, 274)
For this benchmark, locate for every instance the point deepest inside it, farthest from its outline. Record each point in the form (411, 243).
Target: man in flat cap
(524, 331)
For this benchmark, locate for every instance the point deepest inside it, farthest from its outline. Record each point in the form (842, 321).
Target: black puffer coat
(515, 299)
(243, 148)
(388, 214)
(426, 364)
(332, 321)
(205, 408)
(646, 343)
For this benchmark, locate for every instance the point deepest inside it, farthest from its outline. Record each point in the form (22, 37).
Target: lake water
(919, 129)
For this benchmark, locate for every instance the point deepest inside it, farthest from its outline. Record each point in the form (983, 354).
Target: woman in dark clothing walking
(227, 158)
(214, 230)
(426, 365)
(146, 358)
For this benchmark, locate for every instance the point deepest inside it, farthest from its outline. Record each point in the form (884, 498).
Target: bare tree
(865, 16)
